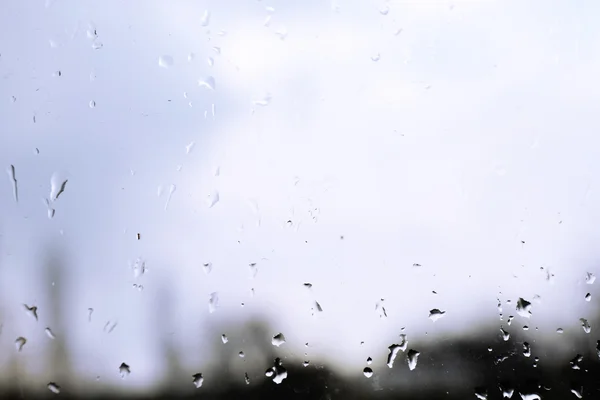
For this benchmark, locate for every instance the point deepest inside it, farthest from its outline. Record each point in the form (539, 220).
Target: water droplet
(575, 361)
(49, 333)
(308, 285)
(210, 61)
(139, 268)
(138, 287)
(189, 147)
(241, 354)
(368, 372)
(124, 370)
(481, 393)
(13, 181)
(207, 267)
(20, 342)
(277, 372)
(369, 360)
(246, 378)
(58, 184)
(411, 358)
(264, 101)
(560, 330)
(205, 21)
(13, 99)
(213, 302)
(509, 320)
(306, 363)
(523, 308)
(394, 350)
(53, 387)
(165, 61)
(282, 33)
(224, 338)
(380, 309)
(585, 325)
(97, 45)
(598, 348)
(278, 340)
(191, 57)
(588, 297)
(436, 314)
(212, 199)
(198, 380)
(375, 57)
(577, 391)
(526, 349)
(530, 396)
(90, 312)
(403, 342)
(507, 392)
(590, 278)
(217, 50)
(172, 190)
(317, 307)
(208, 82)
(505, 335)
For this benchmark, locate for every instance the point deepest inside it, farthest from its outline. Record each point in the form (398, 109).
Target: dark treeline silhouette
(454, 368)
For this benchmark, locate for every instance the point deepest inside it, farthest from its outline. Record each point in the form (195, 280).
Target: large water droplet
(213, 302)
(20, 342)
(32, 311)
(277, 372)
(278, 340)
(198, 380)
(53, 387)
(49, 333)
(436, 314)
(523, 308)
(394, 350)
(124, 370)
(205, 21)
(368, 372)
(13, 181)
(411, 358)
(165, 61)
(585, 325)
(208, 82)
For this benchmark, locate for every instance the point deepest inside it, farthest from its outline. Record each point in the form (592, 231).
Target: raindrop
(97, 45)
(560, 330)
(212, 199)
(318, 307)
(505, 335)
(264, 101)
(213, 302)
(394, 350)
(590, 278)
(189, 147)
(51, 210)
(246, 378)
(509, 320)
(191, 57)
(53, 387)
(49, 333)
(57, 185)
(217, 50)
(575, 361)
(13, 181)
(139, 268)
(90, 312)
(436, 314)
(530, 396)
(277, 372)
(375, 57)
(31, 311)
(368, 372)
(207, 267)
(308, 285)
(20, 342)
(577, 391)
(411, 358)
(205, 21)
(172, 189)
(380, 309)
(523, 308)
(526, 349)
(124, 370)
(305, 363)
(208, 82)
(588, 297)
(278, 340)
(224, 338)
(585, 325)
(198, 380)
(507, 392)
(369, 361)
(481, 394)
(165, 61)
(598, 348)
(210, 61)
(385, 10)
(241, 354)
(404, 342)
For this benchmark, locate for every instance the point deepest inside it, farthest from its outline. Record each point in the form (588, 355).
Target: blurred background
(299, 199)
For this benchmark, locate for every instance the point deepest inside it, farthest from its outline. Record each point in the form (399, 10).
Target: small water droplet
(210, 61)
(369, 360)
(277, 372)
(509, 320)
(246, 378)
(53, 387)
(368, 372)
(575, 361)
(264, 101)
(585, 325)
(523, 308)
(212, 199)
(207, 267)
(97, 45)
(189, 147)
(20, 342)
(385, 10)
(172, 190)
(380, 309)
(58, 183)
(241, 354)
(208, 82)
(217, 50)
(198, 380)
(213, 302)
(436, 314)
(507, 392)
(505, 335)
(49, 333)
(124, 370)
(530, 396)
(588, 297)
(205, 21)
(224, 338)
(590, 278)
(375, 57)
(278, 340)
(411, 358)
(191, 57)
(165, 61)
(481, 393)
(526, 349)
(306, 363)
(577, 391)
(13, 181)
(139, 267)
(560, 330)
(90, 312)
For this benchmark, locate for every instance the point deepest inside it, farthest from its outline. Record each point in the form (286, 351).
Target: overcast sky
(336, 143)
